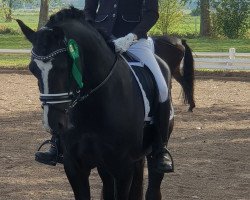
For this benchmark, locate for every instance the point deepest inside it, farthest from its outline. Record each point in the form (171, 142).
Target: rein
(70, 97)
(85, 96)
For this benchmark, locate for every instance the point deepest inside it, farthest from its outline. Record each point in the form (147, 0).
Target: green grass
(30, 19)
(189, 27)
(219, 45)
(16, 61)
(14, 42)
(197, 44)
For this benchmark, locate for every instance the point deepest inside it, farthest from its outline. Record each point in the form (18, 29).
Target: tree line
(217, 17)
(9, 5)
(229, 18)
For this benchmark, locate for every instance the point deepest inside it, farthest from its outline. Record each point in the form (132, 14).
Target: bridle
(71, 97)
(49, 56)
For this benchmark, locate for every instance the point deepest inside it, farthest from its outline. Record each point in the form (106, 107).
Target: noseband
(70, 97)
(56, 98)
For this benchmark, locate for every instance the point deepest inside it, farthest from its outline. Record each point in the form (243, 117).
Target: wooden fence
(224, 61)
(203, 60)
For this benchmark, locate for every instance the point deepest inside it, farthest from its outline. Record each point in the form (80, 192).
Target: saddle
(146, 82)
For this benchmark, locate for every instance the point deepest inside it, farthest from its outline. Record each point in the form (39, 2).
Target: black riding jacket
(120, 17)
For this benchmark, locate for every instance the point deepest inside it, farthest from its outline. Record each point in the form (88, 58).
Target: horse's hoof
(191, 107)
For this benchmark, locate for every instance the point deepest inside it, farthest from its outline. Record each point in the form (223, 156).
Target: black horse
(173, 50)
(91, 97)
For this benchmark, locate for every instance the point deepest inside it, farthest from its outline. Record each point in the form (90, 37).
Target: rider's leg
(53, 155)
(143, 51)
(161, 153)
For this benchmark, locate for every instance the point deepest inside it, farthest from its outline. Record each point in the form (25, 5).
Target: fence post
(232, 53)
(231, 56)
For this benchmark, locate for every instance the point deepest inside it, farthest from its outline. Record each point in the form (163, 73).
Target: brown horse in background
(173, 50)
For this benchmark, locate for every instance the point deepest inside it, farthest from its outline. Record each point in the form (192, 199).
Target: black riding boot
(163, 160)
(53, 155)
(162, 157)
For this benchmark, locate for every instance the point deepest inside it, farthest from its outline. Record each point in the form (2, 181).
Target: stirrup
(165, 153)
(55, 161)
(171, 158)
(51, 143)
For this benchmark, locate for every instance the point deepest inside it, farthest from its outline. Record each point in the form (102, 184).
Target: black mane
(76, 14)
(66, 14)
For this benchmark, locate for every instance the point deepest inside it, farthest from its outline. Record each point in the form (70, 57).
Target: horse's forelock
(48, 40)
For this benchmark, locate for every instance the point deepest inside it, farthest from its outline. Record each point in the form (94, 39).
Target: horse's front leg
(108, 185)
(136, 190)
(122, 183)
(154, 182)
(78, 178)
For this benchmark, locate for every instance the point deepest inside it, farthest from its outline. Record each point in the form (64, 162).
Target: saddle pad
(146, 82)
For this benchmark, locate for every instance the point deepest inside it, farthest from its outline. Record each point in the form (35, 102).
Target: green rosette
(73, 51)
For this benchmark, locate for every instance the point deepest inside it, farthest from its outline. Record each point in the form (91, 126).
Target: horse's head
(51, 65)
(59, 65)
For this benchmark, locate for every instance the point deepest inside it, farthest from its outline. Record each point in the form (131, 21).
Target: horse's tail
(188, 76)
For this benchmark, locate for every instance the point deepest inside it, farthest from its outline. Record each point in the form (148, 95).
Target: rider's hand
(122, 44)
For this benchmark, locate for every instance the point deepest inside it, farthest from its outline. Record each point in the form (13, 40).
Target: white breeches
(144, 51)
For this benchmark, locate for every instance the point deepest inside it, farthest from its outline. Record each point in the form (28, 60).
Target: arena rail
(203, 60)
(15, 51)
(222, 61)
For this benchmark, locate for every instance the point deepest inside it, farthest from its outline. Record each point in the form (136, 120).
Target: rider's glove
(122, 44)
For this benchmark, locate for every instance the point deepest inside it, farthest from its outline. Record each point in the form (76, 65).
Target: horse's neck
(99, 62)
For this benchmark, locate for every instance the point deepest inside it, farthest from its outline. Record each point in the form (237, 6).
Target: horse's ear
(28, 32)
(58, 33)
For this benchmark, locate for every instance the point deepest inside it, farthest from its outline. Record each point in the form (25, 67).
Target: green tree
(7, 10)
(171, 13)
(205, 15)
(231, 17)
(205, 22)
(8, 6)
(44, 12)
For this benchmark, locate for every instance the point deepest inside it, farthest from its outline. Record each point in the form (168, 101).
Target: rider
(129, 21)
